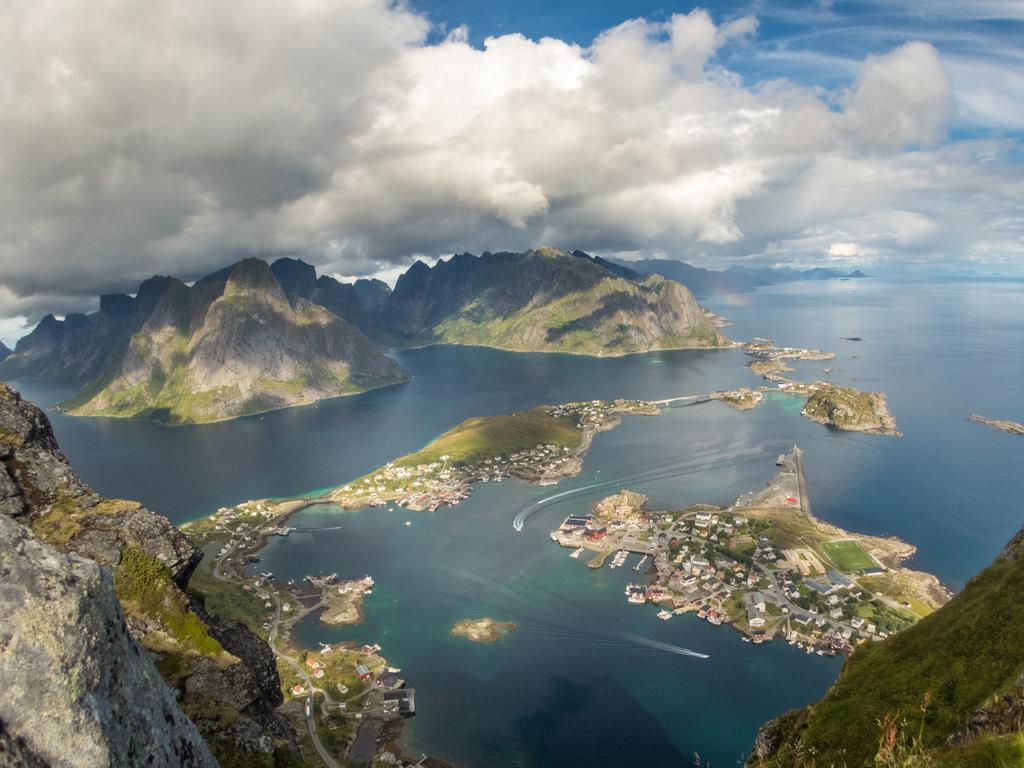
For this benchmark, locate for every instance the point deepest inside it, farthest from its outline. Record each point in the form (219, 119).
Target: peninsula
(486, 630)
(539, 446)
(765, 565)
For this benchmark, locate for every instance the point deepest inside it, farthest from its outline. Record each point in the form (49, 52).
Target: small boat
(664, 615)
(408, 523)
(636, 594)
(576, 553)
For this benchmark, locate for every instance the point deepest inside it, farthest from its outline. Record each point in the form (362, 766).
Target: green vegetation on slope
(485, 437)
(145, 588)
(225, 599)
(849, 408)
(926, 680)
(615, 316)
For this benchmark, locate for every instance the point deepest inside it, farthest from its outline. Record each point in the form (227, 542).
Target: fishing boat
(636, 594)
(664, 615)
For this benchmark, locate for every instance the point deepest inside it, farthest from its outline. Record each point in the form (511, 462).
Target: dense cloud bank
(175, 137)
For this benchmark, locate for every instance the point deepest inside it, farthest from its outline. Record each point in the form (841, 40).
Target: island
(1011, 427)
(851, 409)
(486, 630)
(833, 405)
(764, 565)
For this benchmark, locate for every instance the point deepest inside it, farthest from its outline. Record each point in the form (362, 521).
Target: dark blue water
(186, 472)
(569, 687)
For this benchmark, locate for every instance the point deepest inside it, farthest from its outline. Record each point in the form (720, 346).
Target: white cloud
(173, 138)
(901, 98)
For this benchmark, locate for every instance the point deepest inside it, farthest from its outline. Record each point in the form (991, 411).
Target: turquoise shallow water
(570, 686)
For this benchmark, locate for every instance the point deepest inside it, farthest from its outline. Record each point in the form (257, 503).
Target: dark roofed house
(391, 680)
(840, 580)
(403, 701)
(817, 586)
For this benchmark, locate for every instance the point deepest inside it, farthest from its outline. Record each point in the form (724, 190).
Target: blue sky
(810, 42)
(361, 135)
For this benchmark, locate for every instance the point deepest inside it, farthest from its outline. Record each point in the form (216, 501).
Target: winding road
(325, 755)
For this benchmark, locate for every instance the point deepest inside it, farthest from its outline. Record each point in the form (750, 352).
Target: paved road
(326, 756)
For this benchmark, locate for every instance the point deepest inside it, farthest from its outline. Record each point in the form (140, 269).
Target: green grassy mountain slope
(948, 691)
(544, 300)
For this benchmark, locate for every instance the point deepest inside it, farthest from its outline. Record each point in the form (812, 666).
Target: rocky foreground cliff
(105, 657)
(945, 693)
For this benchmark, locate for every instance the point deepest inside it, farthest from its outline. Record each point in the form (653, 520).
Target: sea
(586, 679)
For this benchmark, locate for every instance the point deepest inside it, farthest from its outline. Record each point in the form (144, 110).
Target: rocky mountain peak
(115, 304)
(296, 277)
(253, 276)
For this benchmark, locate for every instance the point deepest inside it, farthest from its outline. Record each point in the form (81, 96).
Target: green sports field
(848, 556)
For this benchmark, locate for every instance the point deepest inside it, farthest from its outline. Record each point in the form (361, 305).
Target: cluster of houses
(424, 487)
(695, 573)
(596, 413)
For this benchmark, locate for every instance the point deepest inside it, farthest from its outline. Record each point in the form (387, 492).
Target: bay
(582, 680)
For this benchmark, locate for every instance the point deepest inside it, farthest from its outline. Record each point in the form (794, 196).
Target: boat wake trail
(549, 613)
(675, 469)
(658, 645)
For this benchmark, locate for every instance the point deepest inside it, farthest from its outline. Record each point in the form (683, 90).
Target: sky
(359, 135)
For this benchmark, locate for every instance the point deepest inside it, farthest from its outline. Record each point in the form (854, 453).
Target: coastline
(304, 404)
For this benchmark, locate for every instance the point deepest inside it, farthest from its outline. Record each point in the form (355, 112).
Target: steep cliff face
(949, 691)
(544, 299)
(359, 303)
(232, 344)
(223, 675)
(5, 351)
(77, 689)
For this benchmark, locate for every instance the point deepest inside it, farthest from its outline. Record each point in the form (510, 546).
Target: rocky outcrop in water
(851, 409)
(1002, 425)
(223, 676)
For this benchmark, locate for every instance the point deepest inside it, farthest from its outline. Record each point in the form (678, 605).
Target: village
(423, 482)
(761, 566)
(343, 696)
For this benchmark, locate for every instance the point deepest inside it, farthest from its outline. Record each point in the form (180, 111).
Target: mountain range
(254, 337)
(231, 344)
(544, 300)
